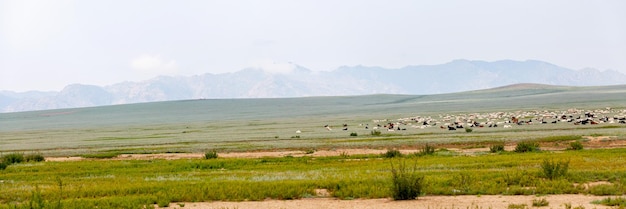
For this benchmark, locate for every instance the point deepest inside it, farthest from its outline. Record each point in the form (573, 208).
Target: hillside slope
(455, 76)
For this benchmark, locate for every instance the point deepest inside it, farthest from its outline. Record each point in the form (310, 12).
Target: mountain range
(455, 76)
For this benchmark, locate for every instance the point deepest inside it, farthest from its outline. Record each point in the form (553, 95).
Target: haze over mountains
(455, 76)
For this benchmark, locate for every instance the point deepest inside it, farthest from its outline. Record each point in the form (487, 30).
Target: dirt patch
(430, 202)
(592, 184)
(601, 142)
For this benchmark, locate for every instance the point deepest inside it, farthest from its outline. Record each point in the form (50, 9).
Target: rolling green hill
(177, 124)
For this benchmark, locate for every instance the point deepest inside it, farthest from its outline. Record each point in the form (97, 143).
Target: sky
(46, 45)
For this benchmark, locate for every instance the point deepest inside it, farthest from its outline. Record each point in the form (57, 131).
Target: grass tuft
(575, 146)
(553, 170)
(13, 158)
(527, 147)
(391, 153)
(210, 155)
(406, 183)
(540, 202)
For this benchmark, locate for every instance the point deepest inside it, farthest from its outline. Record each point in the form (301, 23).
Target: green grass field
(243, 125)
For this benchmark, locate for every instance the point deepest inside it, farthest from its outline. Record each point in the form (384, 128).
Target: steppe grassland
(144, 182)
(175, 127)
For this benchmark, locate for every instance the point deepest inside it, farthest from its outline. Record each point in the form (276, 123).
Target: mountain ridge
(455, 76)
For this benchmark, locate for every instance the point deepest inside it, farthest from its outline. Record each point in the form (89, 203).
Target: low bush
(3, 165)
(552, 169)
(13, 158)
(406, 183)
(527, 147)
(427, 150)
(354, 134)
(391, 153)
(604, 189)
(575, 146)
(569, 206)
(468, 130)
(35, 158)
(210, 155)
(517, 206)
(616, 201)
(496, 148)
(375, 133)
(540, 202)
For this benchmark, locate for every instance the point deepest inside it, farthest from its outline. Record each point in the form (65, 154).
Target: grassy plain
(245, 125)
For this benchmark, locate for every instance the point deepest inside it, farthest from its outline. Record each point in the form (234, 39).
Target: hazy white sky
(45, 45)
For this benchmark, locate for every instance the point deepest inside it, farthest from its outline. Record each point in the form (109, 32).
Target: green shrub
(616, 201)
(309, 151)
(163, 203)
(517, 206)
(527, 147)
(13, 158)
(406, 183)
(344, 155)
(463, 182)
(569, 206)
(35, 158)
(3, 165)
(375, 133)
(391, 153)
(604, 189)
(469, 130)
(295, 137)
(575, 146)
(553, 170)
(427, 150)
(354, 134)
(496, 148)
(540, 202)
(210, 155)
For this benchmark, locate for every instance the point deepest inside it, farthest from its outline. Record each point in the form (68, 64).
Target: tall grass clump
(375, 133)
(13, 158)
(3, 165)
(354, 134)
(616, 201)
(210, 155)
(527, 147)
(391, 153)
(35, 158)
(553, 170)
(496, 148)
(575, 146)
(469, 130)
(406, 183)
(540, 202)
(427, 150)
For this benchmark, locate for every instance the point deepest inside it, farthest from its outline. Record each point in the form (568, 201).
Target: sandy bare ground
(603, 142)
(427, 202)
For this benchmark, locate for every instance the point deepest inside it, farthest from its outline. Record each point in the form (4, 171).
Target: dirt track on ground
(427, 202)
(603, 142)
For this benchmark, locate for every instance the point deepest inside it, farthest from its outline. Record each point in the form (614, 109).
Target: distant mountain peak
(271, 80)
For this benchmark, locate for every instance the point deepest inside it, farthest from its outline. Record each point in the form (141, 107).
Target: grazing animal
(451, 128)
(298, 131)
(507, 126)
(514, 120)
(328, 128)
